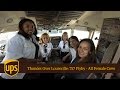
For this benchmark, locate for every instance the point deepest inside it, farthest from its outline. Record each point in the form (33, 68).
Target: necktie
(45, 51)
(45, 48)
(64, 45)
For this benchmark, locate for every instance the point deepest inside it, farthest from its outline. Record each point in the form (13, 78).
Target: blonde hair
(44, 34)
(65, 33)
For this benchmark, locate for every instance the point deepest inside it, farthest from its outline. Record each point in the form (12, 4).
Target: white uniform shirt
(19, 47)
(48, 47)
(61, 44)
(73, 53)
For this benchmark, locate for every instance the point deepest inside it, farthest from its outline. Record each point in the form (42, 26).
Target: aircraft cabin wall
(110, 32)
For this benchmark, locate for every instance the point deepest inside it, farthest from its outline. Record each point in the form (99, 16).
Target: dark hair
(35, 33)
(92, 56)
(21, 31)
(73, 37)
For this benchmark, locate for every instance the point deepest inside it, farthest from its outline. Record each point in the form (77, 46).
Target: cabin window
(54, 32)
(4, 37)
(81, 34)
(96, 37)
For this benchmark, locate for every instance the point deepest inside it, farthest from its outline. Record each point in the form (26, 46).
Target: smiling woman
(23, 46)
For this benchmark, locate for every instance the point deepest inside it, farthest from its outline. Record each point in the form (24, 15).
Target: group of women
(26, 46)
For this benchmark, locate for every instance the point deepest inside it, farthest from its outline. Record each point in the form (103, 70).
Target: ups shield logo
(11, 67)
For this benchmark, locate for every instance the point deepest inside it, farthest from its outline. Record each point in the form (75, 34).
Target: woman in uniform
(74, 42)
(64, 46)
(46, 47)
(86, 54)
(23, 47)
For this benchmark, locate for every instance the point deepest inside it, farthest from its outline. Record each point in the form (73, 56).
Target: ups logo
(11, 67)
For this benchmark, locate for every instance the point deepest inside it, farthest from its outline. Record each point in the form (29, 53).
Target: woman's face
(65, 37)
(84, 49)
(45, 39)
(73, 43)
(28, 27)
